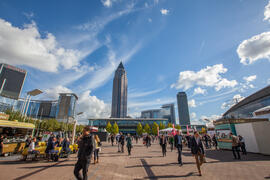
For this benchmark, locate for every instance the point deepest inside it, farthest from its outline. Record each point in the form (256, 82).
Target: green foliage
(155, 128)
(14, 115)
(147, 128)
(79, 128)
(139, 129)
(115, 128)
(169, 125)
(178, 127)
(161, 126)
(109, 127)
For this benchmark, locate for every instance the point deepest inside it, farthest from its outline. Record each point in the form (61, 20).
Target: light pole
(74, 127)
(34, 92)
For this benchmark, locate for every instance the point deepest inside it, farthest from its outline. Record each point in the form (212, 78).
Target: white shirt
(31, 146)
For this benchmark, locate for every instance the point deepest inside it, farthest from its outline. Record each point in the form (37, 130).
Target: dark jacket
(195, 148)
(86, 147)
(122, 139)
(161, 142)
(176, 144)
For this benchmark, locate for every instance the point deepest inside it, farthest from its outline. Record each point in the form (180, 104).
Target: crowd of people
(90, 145)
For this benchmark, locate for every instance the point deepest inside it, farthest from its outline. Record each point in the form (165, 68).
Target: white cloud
(255, 48)
(136, 94)
(150, 104)
(267, 12)
(164, 11)
(236, 99)
(149, 20)
(268, 81)
(250, 78)
(29, 15)
(107, 3)
(25, 46)
(208, 120)
(192, 103)
(208, 77)
(193, 115)
(53, 93)
(92, 106)
(199, 90)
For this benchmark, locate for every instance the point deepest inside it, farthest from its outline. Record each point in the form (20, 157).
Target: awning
(15, 124)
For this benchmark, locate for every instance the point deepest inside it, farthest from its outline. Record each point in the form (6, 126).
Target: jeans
(235, 149)
(96, 154)
(81, 164)
(179, 148)
(122, 148)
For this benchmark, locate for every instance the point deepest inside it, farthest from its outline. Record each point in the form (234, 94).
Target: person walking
(122, 142)
(171, 142)
(242, 145)
(86, 148)
(97, 149)
(178, 144)
(136, 138)
(197, 150)
(112, 139)
(129, 144)
(235, 146)
(163, 144)
(214, 139)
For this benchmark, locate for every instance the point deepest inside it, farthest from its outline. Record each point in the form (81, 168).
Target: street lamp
(74, 127)
(34, 92)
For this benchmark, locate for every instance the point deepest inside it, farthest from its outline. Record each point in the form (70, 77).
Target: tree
(178, 127)
(155, 128)
(161, 126)
(109, 127)
(169, 125)
(115, 128)
(139, 129)
(147, 128)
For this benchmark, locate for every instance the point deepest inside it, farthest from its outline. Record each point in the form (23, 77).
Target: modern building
(166, 112)
(183, 111)
(126, 125)
(66, 107)
(246, 107)
(169, 112)
(151, 113)
(11, 81)
(119, 94)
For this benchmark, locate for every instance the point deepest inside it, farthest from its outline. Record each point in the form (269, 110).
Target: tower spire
(121, 66)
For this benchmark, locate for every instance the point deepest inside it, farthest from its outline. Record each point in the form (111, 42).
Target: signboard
(11, 81)
(4, 116)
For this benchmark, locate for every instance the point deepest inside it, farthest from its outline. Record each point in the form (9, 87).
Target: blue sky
(215, 51)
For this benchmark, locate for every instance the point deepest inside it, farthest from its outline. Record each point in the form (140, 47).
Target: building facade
(169, 112)
(119, 94)
(183, 111)
(65, 111)
(246, 107)
(126, 125)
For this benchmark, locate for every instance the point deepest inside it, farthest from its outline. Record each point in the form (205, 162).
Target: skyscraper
(183, 108)
(119, 94)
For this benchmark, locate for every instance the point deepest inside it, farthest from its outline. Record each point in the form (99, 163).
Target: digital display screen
(11, 81)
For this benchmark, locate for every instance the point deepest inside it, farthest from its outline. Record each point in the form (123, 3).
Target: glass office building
(166, 112)
(126, 125)
(183, 111)
(246, 107)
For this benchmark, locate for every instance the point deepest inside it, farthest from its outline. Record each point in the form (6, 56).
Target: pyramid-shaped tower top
(121, 66)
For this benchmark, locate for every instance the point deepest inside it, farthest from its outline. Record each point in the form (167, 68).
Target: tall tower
(183, 108)
(119, 94)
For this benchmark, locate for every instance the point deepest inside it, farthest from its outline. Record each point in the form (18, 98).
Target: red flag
(187, 130)
(158, 130)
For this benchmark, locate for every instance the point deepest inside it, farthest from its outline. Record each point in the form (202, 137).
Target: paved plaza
(143, 164)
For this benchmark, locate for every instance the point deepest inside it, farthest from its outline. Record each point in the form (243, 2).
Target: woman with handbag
(129, 144)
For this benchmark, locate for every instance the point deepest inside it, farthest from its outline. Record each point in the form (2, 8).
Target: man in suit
(178, 144)
(163, 144)
(197, 150)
